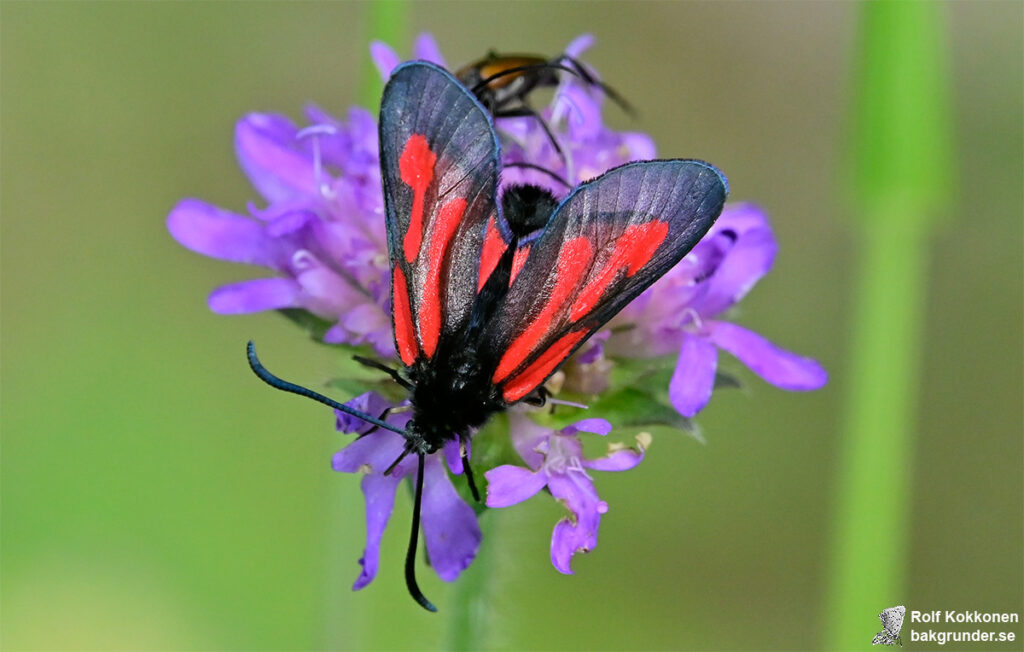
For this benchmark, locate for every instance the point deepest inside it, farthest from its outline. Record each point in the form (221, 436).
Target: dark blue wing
(609, 240)
(439, 163)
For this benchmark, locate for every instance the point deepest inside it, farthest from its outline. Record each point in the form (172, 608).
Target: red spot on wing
(573, 260)
(494, 246)
(633, 249)
(416, 166)
(518, 259)
(523, 383)
(442, 230)
(405, 338)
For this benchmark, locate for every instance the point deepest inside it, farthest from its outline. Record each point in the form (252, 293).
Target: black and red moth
(490, 297)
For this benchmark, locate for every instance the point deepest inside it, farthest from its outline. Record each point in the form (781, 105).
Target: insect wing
(439, 163)
(606, 243)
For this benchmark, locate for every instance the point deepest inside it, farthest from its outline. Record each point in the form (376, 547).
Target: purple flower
(680, 313)
(556, 461)
(449, 524)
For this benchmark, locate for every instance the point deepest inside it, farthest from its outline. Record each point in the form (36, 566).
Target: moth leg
(581, 71)
(394, 409)
(374, 364)
(539, 398)
(468, 471)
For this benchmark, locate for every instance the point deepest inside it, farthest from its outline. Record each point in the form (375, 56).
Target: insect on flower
(502, 83)
(491, 295)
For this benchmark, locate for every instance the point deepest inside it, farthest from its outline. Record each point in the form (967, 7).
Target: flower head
(321, 230)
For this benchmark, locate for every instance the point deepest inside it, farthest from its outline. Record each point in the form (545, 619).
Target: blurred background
(156, 496)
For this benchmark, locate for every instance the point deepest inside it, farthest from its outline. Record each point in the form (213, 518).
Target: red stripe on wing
(490, 254)
(405, 338)
(517, 262)
(442, 230)
(416, 166)
(523, 383)
(633, 249)
(573, 260)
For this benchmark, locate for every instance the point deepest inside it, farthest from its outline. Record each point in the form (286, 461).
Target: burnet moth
(502, 83)
(491, 293)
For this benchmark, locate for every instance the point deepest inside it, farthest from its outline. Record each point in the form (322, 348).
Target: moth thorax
(527, 208)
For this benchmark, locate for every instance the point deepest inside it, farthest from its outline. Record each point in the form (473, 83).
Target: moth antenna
(410, 555)
(285, 386)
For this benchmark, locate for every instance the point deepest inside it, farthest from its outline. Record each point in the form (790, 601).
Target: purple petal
(325, 292)
(453, 455)
(508, 485)
(694, 376)
(365, 319)
(379, 492)
(370, 403)
(268, 152)
(621, 457)
(596, 426)
(384, 58)
(740, 217)
(579, 44)
(290, 224)
(777, 366)
(593, 349)
(527, 436)
(640, 147)
(744, 264)
(577, 533)
(449, 524)
(425, 48)
(373, 453)
(255, 296)
(584, 114)
(218, 233)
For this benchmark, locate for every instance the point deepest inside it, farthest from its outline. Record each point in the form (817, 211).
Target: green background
(156, 496)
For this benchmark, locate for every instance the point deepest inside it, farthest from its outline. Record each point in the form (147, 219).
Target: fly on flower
(491, 294)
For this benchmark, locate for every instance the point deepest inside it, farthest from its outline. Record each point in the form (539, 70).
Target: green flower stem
(871, 520)
(469, 610)
(901, 168)
(387, 22)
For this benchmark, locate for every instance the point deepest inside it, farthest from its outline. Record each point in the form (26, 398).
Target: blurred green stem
(871, 527)
(901, 168)
(469, 617)
(386, 21)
